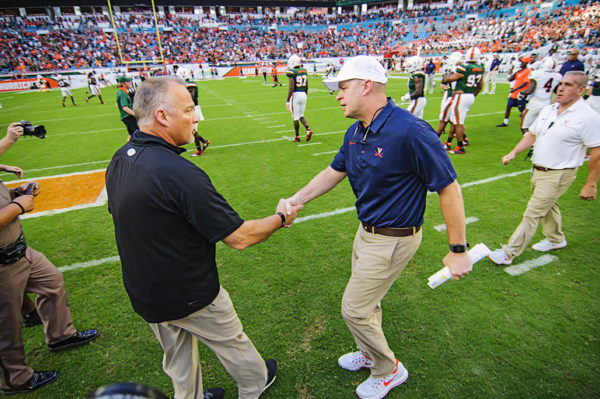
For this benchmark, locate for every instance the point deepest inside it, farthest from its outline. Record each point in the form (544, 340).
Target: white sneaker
(545, 245)
(354, 361)
(377, 388)
(499, 257)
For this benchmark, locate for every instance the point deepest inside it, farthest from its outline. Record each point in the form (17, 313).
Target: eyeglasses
(364, 139)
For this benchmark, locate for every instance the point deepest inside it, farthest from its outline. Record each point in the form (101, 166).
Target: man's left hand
(14, 169)
(459, 264)
(23, 188)
(588, 193)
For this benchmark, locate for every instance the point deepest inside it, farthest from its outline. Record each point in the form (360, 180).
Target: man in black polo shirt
(168, 218)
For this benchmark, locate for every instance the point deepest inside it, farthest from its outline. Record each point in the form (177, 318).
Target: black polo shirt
(168, 217)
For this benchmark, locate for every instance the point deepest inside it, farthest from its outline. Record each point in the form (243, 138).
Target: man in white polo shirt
(562, 134)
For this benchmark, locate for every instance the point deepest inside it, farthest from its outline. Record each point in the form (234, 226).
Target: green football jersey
(300, 78)
(411, 82)
(473, 73)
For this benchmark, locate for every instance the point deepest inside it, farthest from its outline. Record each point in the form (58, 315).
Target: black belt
(547, 169)
(391, 231)
(13, 252)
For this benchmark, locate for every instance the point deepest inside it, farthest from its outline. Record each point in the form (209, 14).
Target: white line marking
(284, 131)
(272, 127)
(58, 167)
(324, 214)
(530, 264)
(328, 152)
(470, 219)
(91, 263)
(307, 144)
(87, 172)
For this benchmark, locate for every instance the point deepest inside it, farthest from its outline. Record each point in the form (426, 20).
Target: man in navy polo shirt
(168, 218)
(572, 63)
(391, 159)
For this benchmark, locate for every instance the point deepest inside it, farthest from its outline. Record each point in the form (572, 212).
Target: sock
(460, 143)
(506, 121)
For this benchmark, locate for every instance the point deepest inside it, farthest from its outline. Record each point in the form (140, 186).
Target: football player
(93, 86)
(592, 95)
(201, 143)
(541, 86)
(416, 93)
(64, 89)
(469, 82)
(297, 95)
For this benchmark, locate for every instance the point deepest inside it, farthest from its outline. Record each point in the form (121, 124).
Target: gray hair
(153, 94)
(580, 76)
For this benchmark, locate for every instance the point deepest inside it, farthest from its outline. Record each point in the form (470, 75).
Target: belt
(13, 252)
(391, 231)
(547, 169)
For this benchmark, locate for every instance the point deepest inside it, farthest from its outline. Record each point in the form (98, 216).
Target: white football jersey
(545, 82)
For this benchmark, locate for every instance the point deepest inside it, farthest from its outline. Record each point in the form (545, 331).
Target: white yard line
(470, 219)
(530, 264)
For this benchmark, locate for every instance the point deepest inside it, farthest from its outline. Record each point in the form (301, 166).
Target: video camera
(30, 130)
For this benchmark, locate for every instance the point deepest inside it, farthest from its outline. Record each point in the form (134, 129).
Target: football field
(490, 335)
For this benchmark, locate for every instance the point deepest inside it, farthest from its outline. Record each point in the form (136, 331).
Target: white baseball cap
(360, 67)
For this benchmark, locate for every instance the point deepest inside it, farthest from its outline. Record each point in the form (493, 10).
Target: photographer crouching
(25, 270)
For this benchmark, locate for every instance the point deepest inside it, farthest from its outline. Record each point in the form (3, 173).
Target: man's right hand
(289, 210)
(14, 131)
(26, 201)
(507, 158)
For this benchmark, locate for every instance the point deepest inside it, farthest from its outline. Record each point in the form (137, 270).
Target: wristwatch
(459, 248)
(282, 216)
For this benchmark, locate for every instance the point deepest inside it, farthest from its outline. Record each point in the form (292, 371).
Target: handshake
(289, 208)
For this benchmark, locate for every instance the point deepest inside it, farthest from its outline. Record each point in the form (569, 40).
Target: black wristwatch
(282, 219)
(459, 248)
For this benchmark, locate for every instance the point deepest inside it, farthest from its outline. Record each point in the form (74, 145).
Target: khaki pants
(218, 327)
(377, 261)
(36, 274)
(547, 188)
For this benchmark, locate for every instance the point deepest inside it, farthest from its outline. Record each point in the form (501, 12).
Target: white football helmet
(473, 54)
(455, 58)
(184, 74)
(294, 62)
(549, 64)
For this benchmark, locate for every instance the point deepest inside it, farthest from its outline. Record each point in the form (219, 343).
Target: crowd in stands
(87, 41)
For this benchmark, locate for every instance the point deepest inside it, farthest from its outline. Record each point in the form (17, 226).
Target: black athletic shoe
(38, 380)
(214, 393)
(271, 372)
(502, 125)
(78, 339)
(31, 319)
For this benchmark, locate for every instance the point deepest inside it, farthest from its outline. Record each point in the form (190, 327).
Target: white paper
(476, 253)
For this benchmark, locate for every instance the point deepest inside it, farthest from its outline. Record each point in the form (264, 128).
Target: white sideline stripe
(324, 214)
(298, 220)
(274, 126)
(328, 152)
(58, 167)
(530, 264)
(91, 263)
(470, 219)
(307, 144)
(87, 172)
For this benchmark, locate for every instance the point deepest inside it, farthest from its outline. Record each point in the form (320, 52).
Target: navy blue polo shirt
(495, 64)
(168, 217)
(390, 173)
(569, 65)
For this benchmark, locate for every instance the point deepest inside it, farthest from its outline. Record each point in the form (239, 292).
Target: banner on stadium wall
(23, 84)
(251, 70)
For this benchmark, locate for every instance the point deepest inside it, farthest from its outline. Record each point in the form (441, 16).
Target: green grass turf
(490, 335)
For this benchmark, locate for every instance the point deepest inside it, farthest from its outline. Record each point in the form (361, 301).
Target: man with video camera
(23, 269)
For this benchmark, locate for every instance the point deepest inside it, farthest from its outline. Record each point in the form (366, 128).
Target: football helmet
(549, 64)
(473, 54)
(184, 74)
(294, 62)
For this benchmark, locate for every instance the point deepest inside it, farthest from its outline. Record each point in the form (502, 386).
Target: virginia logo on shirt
(379, 152)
